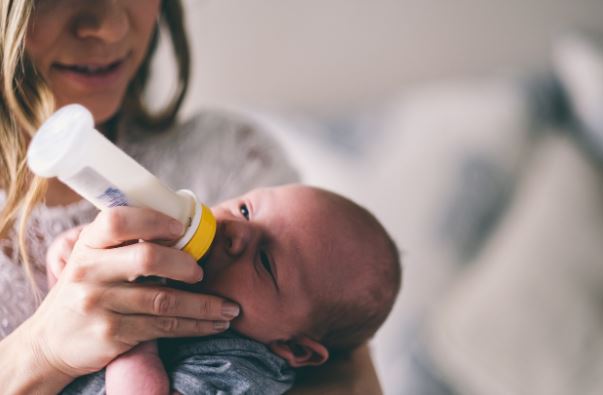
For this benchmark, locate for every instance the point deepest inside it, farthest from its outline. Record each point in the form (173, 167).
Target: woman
(97, 53)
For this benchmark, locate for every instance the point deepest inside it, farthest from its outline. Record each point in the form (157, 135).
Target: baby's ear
(300, 351)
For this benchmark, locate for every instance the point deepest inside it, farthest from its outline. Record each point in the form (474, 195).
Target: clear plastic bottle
(68, 146)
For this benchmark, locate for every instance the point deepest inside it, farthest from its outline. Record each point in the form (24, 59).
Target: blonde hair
(26, 101)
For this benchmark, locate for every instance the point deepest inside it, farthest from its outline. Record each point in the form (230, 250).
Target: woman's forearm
(23, 370)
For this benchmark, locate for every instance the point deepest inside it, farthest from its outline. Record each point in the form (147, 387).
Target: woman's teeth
(90, 70)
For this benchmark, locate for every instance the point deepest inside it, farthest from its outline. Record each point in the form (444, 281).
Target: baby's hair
(351, 318)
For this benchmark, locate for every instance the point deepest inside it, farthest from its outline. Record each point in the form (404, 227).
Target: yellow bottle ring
(204, 235)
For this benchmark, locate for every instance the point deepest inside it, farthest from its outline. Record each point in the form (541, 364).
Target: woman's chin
(100, 117)
(101, 112)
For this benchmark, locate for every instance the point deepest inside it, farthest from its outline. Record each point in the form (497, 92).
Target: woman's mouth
(89, 70)
(91, 76)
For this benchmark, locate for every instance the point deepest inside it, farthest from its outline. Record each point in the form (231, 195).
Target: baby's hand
(58, 253)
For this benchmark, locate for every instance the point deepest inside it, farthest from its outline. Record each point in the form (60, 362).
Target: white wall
(332, 55)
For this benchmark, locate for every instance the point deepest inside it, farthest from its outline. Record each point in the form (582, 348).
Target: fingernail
(221, 325)
(176, 227)
(230, 310)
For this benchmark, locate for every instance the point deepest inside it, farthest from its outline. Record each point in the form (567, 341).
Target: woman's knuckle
(85, 305)
(146, 256)
(154, 219)
(168, 324)
(87, 301)
(107, 330)
(78, 273)
(200, 326)
(205, 306)
(163, 303)
(113, 220)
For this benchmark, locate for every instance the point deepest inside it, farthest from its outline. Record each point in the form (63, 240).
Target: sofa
(493, 190)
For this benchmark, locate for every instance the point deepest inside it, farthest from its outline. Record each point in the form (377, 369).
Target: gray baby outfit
(220, 364)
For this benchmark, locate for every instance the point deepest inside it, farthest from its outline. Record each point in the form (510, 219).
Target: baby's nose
(237, 237)
(235, 246)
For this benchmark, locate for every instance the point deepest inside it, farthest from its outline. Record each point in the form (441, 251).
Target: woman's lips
(92, 76)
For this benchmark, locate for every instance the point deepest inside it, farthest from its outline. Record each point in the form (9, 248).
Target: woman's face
(89, 50)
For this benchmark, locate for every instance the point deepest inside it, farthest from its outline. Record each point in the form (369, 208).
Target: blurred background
(474, 130)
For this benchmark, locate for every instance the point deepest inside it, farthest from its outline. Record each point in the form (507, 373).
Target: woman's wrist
(24, 369)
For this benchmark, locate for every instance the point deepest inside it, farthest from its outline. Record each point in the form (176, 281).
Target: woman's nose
(106, 20)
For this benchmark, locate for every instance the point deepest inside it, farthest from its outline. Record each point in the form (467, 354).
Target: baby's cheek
(262, 325)
(246, 327)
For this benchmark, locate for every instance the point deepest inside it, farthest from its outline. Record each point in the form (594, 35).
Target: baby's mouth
(203, 261)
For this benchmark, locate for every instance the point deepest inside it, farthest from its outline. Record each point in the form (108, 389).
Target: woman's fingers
(60, 250)
(97, 304)
(121, 224)
(71, 235)
(127, 263)
(168, 302)
(141, 328)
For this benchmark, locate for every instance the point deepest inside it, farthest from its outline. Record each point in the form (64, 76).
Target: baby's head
(312, 271)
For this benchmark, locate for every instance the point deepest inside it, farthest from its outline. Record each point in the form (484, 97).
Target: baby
(314, 273)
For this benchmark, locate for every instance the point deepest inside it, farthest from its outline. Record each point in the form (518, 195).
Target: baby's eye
(244, 211)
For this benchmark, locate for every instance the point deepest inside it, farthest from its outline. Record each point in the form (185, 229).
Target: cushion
(578, 64)
(526, 319)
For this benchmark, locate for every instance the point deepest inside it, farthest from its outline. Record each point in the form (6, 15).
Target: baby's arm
(139, 371)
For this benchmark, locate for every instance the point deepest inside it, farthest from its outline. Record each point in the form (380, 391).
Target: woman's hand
(59, 252)
(96, 312)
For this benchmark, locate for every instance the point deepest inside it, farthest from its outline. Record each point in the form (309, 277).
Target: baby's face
(269, 256)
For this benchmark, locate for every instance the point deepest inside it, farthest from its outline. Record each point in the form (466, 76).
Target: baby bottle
(67, 146)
